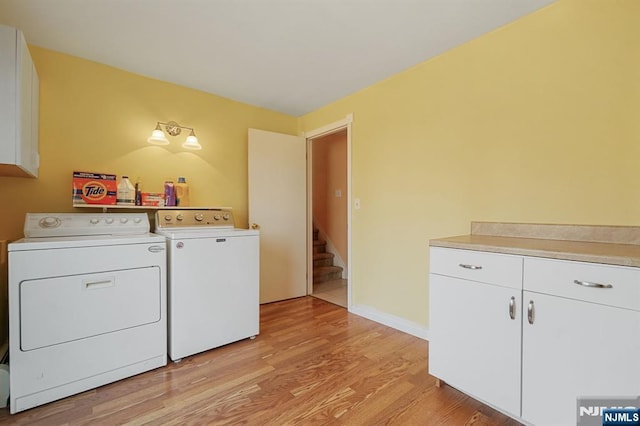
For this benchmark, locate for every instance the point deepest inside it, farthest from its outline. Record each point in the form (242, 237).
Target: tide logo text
(94, 190)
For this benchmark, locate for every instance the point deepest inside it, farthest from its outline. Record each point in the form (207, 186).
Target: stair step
(319, 246)
(326, 273)
(323, 259)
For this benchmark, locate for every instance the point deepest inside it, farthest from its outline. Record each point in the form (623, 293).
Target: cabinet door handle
(531, 312)
(593, 285)
(512, 308)
(467, 266)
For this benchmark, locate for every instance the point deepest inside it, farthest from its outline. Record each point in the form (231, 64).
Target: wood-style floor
(313, 363)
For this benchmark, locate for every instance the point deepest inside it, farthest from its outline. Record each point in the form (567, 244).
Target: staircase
(323, 268)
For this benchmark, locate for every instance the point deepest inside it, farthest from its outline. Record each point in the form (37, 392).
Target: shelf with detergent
(105, 207)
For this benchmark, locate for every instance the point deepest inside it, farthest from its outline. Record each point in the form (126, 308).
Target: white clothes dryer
(87, 304)
(213, 280)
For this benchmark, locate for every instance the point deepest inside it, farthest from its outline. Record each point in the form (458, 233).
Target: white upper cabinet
(19, 104)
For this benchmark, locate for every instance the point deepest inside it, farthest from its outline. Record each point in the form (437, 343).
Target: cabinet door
(27, 142)
(576, 349)
(474, 344)
(19, 103)
(34, 143)
(8, 118)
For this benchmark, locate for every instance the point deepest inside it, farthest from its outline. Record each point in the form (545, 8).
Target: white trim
(349, 210)
(329, 128)
(309, 217)
(392, 321)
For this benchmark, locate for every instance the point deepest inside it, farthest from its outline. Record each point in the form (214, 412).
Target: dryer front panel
(83, 317)
(63, 309)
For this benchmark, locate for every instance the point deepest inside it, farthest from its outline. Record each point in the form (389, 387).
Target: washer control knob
(49, 222)
(137, 220)
(180, 217)
(124, 220)
(199, 217)
(216, 217)
(109, 220)
(167, 218)
(226, 216)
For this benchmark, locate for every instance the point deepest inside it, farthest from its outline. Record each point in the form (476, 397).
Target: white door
(277, 206)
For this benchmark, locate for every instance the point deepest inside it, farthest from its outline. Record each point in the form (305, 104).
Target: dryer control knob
(124, 220)
(179, 217)
(109, 220)
(167, 218)
(49, 222)
(226, 216)
(199, 217)
(216, 217)
(137, 220)
(94, 221)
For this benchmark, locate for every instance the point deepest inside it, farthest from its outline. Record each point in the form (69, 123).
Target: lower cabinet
(576, 349)
(474, 343)
(576, 332)
(580, 337)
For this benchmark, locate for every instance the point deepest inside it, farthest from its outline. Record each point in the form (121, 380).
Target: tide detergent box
(94, 188)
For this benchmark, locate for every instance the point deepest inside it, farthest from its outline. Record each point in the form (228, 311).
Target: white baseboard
(392, 321)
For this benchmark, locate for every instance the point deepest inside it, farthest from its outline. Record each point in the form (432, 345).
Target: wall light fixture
(158, 136)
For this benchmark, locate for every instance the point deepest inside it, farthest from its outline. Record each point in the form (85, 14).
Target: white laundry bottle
(126, 195)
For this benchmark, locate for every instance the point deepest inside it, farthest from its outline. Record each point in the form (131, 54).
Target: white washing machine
(213, 279)
(87, 304)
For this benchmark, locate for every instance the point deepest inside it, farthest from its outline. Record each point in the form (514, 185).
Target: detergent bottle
(182, 193)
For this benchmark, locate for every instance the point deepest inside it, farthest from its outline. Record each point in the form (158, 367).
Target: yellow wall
(538, 121)
(535, 122)
(97, 118)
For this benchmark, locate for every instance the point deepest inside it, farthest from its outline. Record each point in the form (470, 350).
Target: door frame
(325, 130)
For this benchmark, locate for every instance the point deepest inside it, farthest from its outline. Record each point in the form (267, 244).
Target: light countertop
(597, 244)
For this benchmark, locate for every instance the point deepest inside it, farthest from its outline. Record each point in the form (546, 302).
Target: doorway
(329, 213)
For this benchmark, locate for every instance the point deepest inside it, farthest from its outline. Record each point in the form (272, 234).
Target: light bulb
(158, 137)
(192, 142)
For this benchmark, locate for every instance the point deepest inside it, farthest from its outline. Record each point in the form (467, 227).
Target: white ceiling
(292, 56)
